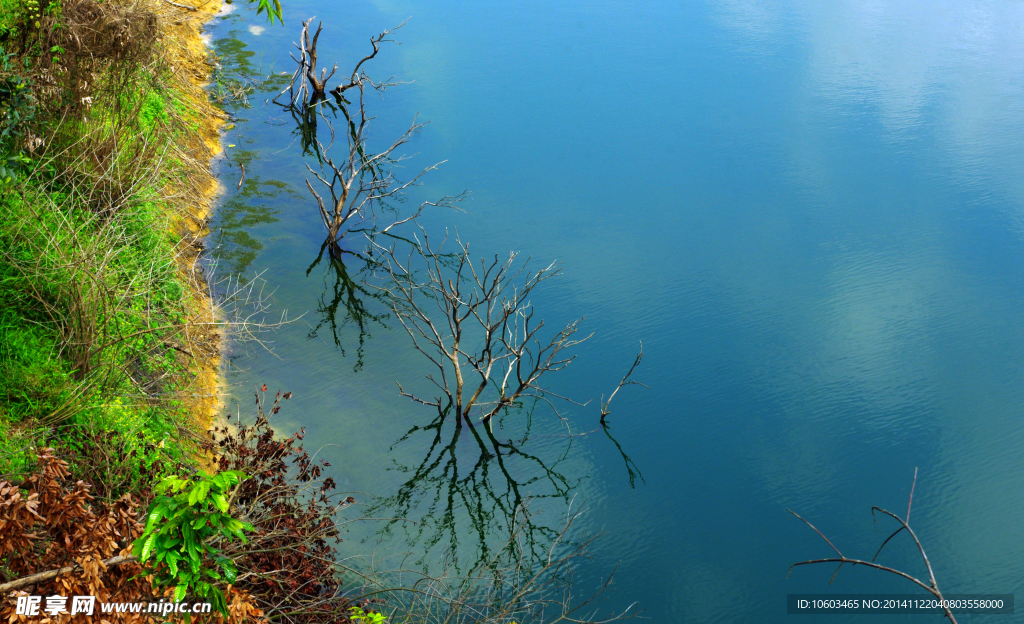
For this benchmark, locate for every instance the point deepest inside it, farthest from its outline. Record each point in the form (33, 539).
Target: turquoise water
(812, 215)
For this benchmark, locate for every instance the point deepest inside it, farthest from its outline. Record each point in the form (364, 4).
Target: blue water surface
(809, 212)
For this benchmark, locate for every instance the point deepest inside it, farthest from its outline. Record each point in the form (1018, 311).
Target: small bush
(181, 526)
(48, 523)
(289, 566)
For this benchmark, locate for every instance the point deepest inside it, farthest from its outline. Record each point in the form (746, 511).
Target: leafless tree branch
(931, 586)
(475, 323)
(626, 381)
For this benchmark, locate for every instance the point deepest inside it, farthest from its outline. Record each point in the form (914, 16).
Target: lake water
(812, 215)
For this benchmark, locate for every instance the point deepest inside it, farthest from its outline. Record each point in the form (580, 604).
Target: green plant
(185, 521)
(362, 617)
(273, 9)
(152, 111)
(17, 110)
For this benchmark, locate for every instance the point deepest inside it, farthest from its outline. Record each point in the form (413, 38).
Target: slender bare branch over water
(626, 381)
(931, 586)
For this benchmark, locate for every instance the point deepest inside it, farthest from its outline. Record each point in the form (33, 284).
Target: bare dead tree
(359, 180)
(485, 345)
(932, 587)
(469, 486)
(308, 52)
(301, 93)
(362, 181)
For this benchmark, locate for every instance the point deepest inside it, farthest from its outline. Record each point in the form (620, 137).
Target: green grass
(90, 245)
(47, 240)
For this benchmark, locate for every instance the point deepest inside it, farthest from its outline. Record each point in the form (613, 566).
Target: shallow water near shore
(812, 215)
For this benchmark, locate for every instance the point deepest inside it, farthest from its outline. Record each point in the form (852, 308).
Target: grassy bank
(106, 344)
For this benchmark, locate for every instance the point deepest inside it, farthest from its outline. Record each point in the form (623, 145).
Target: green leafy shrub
(363, 617)
(182, 524)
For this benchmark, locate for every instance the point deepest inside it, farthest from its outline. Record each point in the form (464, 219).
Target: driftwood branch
(181, 6)
(42, 577)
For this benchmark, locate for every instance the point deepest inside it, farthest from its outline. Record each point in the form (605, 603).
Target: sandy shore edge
(189, 55)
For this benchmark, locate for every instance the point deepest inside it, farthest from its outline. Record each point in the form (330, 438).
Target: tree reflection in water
(490, 357)
(467, 496)
(343, 303)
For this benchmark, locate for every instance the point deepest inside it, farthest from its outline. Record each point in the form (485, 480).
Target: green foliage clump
(15, 14)
(273, 10)
(17, 110)
(356, 614)
(88, 301)
(152, 111)
(181, 525)
(32, 381)
(8, 11)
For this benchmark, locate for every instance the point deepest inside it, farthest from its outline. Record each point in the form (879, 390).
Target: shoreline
(189, 56)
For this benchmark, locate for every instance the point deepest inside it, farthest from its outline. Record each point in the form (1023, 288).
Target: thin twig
(932, 586)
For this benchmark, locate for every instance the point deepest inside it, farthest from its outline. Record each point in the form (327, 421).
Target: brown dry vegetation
(48, 524)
